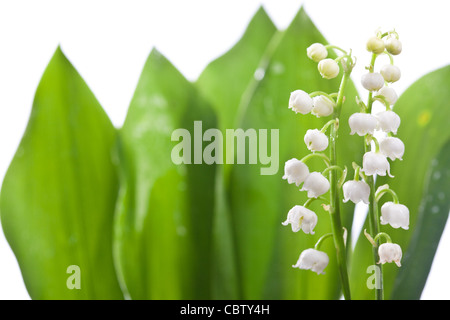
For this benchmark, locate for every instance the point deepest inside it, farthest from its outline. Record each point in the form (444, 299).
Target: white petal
(300, 102)
(392, 147)
(316, 185)
(388, 121)
(356, 191)
(362, 123)
(316, 140)
(372, 81)
(295, 171)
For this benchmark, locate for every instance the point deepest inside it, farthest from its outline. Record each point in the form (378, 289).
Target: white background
(108, 42)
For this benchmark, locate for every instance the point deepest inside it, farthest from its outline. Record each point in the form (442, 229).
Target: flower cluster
(375, 162)
(384, 124)
(319, 104)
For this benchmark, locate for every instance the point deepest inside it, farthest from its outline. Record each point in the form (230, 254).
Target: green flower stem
(374, 226)
(382, 234)
(321, 239)
(381, 192)
(329, 46)
(320, 155)
(335, 214)
(329, 123)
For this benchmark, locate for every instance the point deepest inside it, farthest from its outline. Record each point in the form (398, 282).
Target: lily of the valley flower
(375, 163)
(316, 185)
(328, 68)
(390, 252)
(301, 218)
(362, 123)
(317, 52)
(393, 46)
(389, 95)
(316, 140)
(295, 171)
(390, 73)
(300, 102)
(395, 214)
(322, 106)
(388, 121)
(375, 45)
(392, 147)
(372, 81)
(312, 259)
(356, 191)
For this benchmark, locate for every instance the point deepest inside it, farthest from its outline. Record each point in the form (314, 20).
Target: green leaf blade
(58, 196)
(164, 213)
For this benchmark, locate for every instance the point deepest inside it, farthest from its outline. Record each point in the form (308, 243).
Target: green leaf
(266, 250)
(423, 109)
(223, 83)
(164, 212)
(58, 195)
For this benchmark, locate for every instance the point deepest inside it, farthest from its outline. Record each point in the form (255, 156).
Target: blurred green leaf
(266, 250)
(165, 211)
(223, 82)
(58, 195)
(424, 112)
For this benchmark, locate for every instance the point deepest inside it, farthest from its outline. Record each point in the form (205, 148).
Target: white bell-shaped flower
(390, 73)
(316, 140)
(300, 102)
(375, 163)
(356, 191)
(322, 106)
(317, 52)
(389, 95)
(362, 123)
(388, 121)
(301, 218)
(390, 252)
(316, 185)
(328, 68)
(393, 46)
(312, 259)
(372, 81)
(295, 171)
(392, 147)
(397, 215)
(375, 45)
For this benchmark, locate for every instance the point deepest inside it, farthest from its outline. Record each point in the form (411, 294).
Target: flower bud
(388, 121)
(390, 252)
(372, 81)
(375, 45)
(322, 106)
(393, 46)
(328, 68)
(317, 52)
(392, 147)
(301, 218)
(312, 259)
(316, 140)
(397, 215)
(375, 163)
(389, 95)
(362, 123)
(300, 102)
(356, 191)
(390, 73)
(295, 171)
(316, 185)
